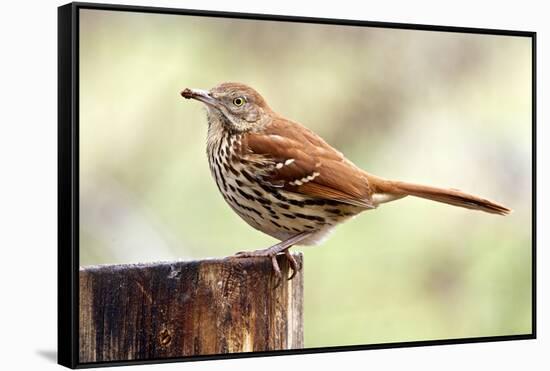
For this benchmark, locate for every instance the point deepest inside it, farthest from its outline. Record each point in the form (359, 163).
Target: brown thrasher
(286, 181)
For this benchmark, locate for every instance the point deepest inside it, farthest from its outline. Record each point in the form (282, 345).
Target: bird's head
(239, 107)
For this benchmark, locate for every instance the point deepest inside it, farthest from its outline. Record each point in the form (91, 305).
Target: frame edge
(299, 19)
(67, 257)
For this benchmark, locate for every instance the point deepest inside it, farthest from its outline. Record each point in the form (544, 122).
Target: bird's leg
(272, 251)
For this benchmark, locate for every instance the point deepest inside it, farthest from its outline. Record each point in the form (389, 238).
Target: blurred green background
(440, 108)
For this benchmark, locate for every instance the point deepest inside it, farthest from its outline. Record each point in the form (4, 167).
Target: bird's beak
(200, 95)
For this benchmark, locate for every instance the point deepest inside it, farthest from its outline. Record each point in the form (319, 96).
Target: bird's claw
(294, 266)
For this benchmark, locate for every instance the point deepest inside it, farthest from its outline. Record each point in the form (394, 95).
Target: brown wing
(300, 161)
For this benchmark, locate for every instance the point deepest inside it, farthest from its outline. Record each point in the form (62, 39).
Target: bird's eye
(239, 101)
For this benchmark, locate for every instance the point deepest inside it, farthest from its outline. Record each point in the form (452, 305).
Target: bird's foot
(272, 255)
(272, 252)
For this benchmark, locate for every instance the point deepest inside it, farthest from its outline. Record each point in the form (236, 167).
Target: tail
(386, 190)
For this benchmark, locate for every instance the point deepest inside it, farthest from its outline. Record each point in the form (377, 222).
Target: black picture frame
(68, 180)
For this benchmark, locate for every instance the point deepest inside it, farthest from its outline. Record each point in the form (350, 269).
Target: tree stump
(188, 308)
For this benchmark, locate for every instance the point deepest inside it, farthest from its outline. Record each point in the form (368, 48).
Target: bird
(287, 182)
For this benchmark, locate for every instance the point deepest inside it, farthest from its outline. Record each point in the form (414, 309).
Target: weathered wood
(175, 309)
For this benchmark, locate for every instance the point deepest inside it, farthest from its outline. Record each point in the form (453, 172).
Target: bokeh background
(446, 109)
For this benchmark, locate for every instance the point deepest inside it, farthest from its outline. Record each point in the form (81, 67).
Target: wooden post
(184, 308)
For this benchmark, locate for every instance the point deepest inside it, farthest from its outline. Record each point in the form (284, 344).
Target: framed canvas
(237, 185)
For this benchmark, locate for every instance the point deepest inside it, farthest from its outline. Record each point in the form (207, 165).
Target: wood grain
(175, 309)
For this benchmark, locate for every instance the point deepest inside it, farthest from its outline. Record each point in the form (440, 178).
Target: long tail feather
(449, 196)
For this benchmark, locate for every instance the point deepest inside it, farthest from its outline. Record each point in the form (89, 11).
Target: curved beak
(200, 95)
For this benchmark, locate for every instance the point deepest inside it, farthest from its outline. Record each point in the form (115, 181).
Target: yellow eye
(238, 101)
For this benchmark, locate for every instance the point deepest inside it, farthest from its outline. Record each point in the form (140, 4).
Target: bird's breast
(277, 212)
